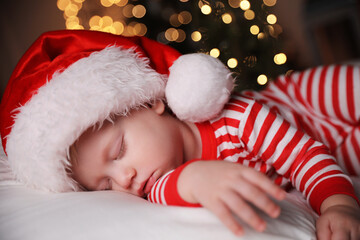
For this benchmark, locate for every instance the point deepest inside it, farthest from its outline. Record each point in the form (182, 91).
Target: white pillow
(31, 214)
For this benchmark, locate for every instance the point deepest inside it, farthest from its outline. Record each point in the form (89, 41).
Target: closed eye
(122, 149)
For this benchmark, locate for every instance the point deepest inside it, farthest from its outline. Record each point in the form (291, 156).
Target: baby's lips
(149, 184)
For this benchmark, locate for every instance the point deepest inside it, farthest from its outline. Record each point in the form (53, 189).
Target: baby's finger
(259, 198)
(226, 217)
(243, 210)
(263, 182)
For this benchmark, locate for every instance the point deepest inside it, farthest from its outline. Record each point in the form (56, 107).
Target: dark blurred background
(256, 39)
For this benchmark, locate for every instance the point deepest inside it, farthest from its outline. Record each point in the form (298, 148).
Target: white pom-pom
(198, 87)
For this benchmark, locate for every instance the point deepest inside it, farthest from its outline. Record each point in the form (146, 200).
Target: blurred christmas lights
(125, 22)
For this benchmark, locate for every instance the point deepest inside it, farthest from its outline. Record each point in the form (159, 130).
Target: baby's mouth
(149, 184)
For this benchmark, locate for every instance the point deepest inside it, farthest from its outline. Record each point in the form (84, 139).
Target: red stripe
(231, 122)
(310, 186)
(264, 131)
(284, 156)
(277, 138)
(350, 92)
(230, 152)
(249, 125)
(329, 138)
(298, 95)
(322, 90)
(227, 138)
(315, 168)
(239, 102)
(234, 108)
(299, 159)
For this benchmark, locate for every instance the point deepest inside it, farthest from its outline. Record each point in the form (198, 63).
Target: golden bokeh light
(271, 19)
(184, 17)
(261, 35)
(196, 36)
(119, 27)
(245, 5)
(171, 34)
(280, 58)
(71, 10)
(181, 37)
(122, 3)
(215, 52)
(94, 21)
(106, 3)
(140, 29)
(269, 3)
(62, 4)
(206, 9)
(106, 21)
(174, 20)
(262, 79)
(232, 63)
(139, 11)
(226, 17)
(234, 3)
(249, 14)
(254, 29)
(127, 11)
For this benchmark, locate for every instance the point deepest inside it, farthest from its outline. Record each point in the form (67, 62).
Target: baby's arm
(225, 188)
(340, 218)
(222, 187)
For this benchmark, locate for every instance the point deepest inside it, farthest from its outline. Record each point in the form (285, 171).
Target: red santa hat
(70, 80)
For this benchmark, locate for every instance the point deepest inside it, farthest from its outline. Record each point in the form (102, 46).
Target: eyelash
(122, 149)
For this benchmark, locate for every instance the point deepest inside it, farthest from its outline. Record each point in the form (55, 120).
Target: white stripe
(162, 193)
(315, 89)
(155, 191)
(257, 126)
(280, 148)
(328, 91)
(224, 130)
(356, 89)
(294, 153)
(275, 126)
(226, 145)
(305, 80)
(314, 160)
(343, 103)
(315, 144)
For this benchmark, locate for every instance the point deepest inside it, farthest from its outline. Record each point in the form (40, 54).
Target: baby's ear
(158, 107)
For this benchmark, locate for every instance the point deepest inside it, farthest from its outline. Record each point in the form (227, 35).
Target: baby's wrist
(339, 200)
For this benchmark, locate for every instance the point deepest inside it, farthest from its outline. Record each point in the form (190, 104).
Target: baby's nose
(125, 177)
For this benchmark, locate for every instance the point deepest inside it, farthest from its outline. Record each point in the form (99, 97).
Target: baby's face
(130, 154)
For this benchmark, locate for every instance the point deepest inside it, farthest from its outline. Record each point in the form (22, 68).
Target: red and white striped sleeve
(165, 190)
(294, 155)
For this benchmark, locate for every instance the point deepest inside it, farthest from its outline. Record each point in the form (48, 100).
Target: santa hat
(70, 80)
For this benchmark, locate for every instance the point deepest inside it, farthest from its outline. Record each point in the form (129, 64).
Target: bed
(31, 214)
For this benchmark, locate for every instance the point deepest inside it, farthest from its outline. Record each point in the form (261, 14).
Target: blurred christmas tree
(241, 33)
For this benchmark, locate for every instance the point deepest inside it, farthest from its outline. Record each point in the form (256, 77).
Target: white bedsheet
(31, 214)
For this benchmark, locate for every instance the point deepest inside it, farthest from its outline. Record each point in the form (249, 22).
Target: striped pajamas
(294, 132)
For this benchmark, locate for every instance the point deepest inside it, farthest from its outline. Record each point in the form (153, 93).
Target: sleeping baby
(105, 112)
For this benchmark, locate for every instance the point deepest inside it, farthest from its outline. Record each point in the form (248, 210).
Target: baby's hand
(339, 221)
(225, 188)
